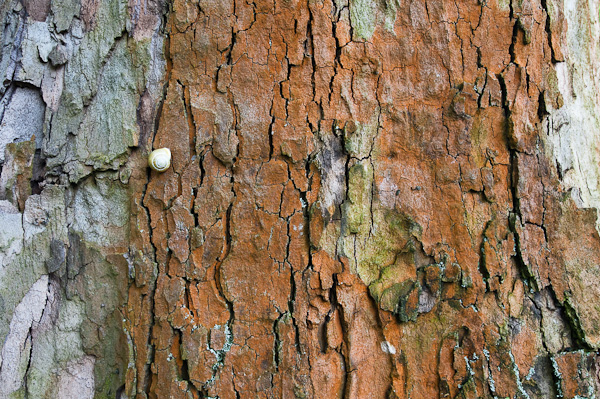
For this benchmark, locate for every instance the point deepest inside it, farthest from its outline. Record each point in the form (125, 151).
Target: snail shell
(160, 159)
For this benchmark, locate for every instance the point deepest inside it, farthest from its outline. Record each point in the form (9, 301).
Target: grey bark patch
(11, 233)
(12, 35)
(56, 345)
(91, 81)
(100, 207)
(26, 314)
(7, 207)
(37, 44)
(573, 125)
(64, 11)
(557, 335)
(17, 125)
(74, 255)
(76, 381)
(57, 256)
(332, 165)
(59, 55)
(426, 301)
(52, 86)
(539, 383)
(97, 112)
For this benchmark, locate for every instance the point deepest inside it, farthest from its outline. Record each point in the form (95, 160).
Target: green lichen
(63, 12)
(552, 96)
(90, 293)
(380, 244)
(572, 318)
(103, 81)
(392, 234)
(358, 137)
(504, 5)
(365, 15)
(357, 207)
(54, 348)
(397, 299)
(19, 274)
(468, 389)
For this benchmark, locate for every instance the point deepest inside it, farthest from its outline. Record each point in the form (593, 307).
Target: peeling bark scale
(366, 199)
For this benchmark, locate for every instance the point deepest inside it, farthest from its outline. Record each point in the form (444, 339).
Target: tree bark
(366, 199)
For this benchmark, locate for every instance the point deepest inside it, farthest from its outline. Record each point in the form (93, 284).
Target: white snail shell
(160, 159)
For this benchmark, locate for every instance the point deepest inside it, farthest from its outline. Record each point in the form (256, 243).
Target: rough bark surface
(367, 199)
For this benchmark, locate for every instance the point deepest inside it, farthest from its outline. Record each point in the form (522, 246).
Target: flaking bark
(367, 199)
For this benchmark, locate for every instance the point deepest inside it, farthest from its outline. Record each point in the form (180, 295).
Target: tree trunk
(366, 199)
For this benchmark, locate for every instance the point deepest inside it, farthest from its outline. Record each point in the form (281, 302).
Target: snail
(160, 159)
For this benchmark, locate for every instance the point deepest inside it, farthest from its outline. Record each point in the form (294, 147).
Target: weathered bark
(81, 81)
(367, 199)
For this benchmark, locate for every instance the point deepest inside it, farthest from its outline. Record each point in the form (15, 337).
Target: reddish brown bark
(357, 215)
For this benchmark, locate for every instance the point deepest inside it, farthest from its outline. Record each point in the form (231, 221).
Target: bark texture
(367, 199)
